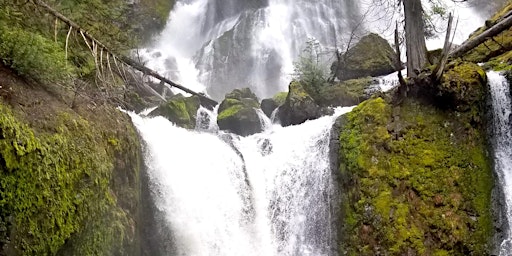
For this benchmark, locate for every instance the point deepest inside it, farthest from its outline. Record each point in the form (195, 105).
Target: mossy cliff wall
(69, 178)
(415, 172)
(416, 181)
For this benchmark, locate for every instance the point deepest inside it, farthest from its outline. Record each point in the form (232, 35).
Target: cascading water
(502, 140)
(267, 194)
(219, 45)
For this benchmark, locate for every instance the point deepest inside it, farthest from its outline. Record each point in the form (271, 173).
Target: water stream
(502, 143)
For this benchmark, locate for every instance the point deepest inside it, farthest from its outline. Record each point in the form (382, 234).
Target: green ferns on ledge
(55, 186)
(416, 180)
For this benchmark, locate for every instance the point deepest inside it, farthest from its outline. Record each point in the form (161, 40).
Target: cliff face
(69, 177)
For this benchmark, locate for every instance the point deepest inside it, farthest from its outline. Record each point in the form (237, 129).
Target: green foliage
(419, 180)
(280, 97)
(32, 55)
(309, 69)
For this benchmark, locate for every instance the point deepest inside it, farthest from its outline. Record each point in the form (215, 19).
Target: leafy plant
(33, 55)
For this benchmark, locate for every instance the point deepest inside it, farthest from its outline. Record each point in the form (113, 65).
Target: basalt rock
(237, 113)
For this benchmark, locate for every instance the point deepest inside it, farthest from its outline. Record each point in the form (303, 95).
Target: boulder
(269, 105)
(180, 110)
(371, 56)
(346, 93)
(237, 113)
(298, 107)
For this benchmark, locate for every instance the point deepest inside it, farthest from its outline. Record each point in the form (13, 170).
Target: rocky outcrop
(237, 113)
(346, 93)
(415, 173)
(416, 181)
(180, 110)
(269, 105)
(298, 106)
(371, 56)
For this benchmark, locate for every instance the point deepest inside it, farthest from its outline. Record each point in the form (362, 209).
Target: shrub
(32, 55)
(310, 70)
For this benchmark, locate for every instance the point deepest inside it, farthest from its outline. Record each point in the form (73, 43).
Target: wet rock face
(298, 107)
(268, 106)
(237, 113)
(371, 56)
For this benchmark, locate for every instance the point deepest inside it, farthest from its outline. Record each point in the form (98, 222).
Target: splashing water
(271, 193)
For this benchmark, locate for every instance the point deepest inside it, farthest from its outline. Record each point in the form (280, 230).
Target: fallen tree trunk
(477, 40)
(126, 60)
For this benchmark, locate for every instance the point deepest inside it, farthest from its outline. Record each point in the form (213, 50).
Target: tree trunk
(416, 48)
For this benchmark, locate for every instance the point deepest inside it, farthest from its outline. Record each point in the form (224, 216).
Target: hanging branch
(56, 25)
(110, 67)
(128, 61)
(67, 40)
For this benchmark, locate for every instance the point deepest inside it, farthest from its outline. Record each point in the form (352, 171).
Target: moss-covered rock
(371, 56)
(180, 110)
(298, 107)
(463, 86)
(237, 113)
(347, 93)
(416, 181)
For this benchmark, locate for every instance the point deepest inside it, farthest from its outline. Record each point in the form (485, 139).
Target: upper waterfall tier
(216, 46)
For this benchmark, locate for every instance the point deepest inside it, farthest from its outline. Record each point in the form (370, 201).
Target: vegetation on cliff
(417, 181)
(68, 181)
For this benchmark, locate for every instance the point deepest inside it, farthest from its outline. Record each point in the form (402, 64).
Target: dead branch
(128, 61)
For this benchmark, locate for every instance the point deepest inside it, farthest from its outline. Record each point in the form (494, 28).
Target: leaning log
(487, 34)
(126, 60)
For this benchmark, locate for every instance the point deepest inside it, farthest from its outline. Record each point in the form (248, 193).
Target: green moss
(280, 97)
(180, 110)
(56, 186)
(421, 181)
(463, 86)
(229, 112)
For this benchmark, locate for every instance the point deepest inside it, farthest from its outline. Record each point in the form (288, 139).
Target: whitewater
(271, 193)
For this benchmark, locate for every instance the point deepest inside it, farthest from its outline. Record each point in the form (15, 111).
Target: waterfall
(271, 193)
(216, 46)
(502, 139)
